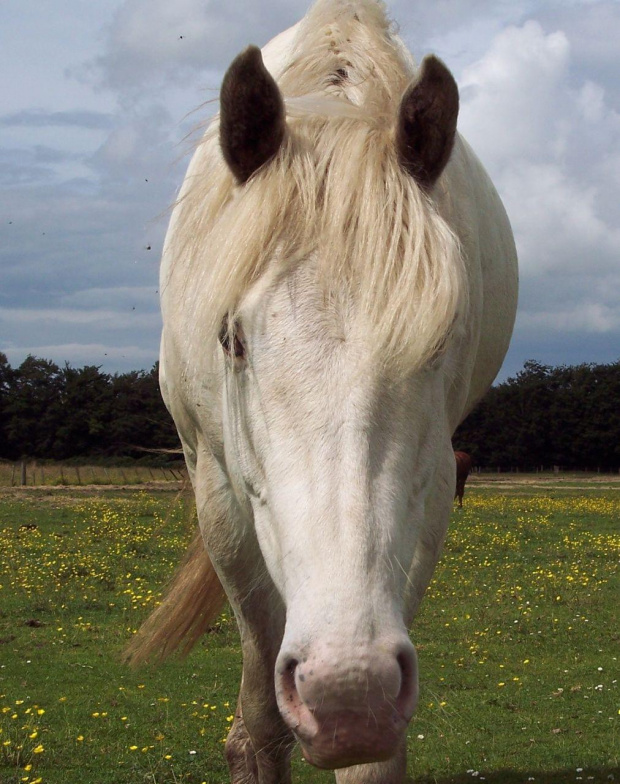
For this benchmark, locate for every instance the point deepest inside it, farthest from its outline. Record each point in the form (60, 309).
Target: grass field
(518, 641)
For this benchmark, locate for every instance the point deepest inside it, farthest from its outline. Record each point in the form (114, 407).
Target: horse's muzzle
(349, 708)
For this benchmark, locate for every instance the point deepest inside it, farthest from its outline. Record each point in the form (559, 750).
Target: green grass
(518, 643)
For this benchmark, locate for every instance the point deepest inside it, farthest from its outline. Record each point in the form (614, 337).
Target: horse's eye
(232, 339)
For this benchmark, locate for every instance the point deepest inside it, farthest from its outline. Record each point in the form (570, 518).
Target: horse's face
(335, 459)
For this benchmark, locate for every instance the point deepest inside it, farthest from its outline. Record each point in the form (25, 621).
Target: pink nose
(348, 708)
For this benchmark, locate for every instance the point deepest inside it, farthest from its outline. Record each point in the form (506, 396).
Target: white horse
(338, 290)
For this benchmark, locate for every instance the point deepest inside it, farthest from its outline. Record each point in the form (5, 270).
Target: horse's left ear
(427, 122)
(252, 116)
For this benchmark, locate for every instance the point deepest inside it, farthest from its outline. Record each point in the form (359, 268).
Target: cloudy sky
(98, 100)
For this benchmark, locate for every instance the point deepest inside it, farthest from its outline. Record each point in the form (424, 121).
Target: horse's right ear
(427, 122)
(252, 116)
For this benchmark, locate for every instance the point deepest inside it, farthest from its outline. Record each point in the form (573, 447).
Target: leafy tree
(33, 390)
(48, 412)
(82, 413)
(6, 381)
(139, 418)
(545, 416)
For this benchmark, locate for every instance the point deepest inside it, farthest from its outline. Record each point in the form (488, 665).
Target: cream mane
(335, 191)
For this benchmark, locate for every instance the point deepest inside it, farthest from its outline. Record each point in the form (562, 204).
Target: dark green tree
(545, 416)
(33, 391)
(139, 418)
(82, 412)
(6, 382)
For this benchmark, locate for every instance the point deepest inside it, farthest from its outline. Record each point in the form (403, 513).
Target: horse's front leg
(392, 771)
(263, 757)
(259, 744)
(240, 753)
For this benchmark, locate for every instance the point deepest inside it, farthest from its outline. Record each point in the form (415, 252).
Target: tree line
(567, 416)
(62, 413)
(542, 417)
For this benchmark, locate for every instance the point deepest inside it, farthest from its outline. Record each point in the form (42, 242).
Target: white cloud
(110, 320)
(41, 118)
(547, 143)
(556, 222)
(593, 28)
(583, 317)
(153, 42)
(510, 96)
(117, 298)
(139, 147)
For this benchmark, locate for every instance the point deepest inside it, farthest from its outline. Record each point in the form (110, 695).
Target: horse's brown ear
(427, 122)
(252, 117)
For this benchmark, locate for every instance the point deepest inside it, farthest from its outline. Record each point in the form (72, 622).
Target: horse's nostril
(408, 696)
(287, 681)
(292, 707)
(404, 663)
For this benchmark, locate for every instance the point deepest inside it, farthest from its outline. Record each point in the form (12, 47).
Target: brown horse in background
(463, 467)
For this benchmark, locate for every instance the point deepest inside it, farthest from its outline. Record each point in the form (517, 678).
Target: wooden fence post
(24, 474)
